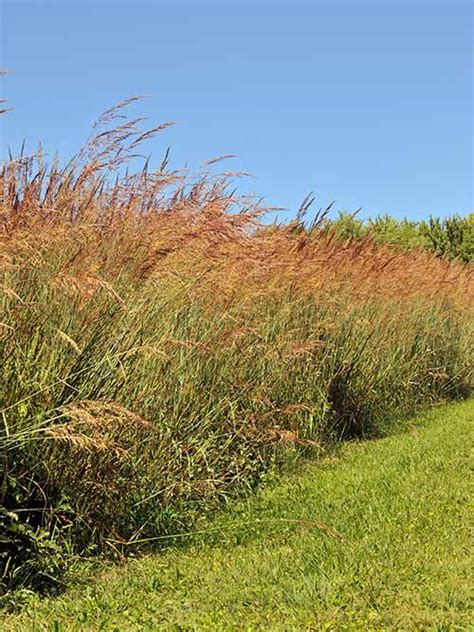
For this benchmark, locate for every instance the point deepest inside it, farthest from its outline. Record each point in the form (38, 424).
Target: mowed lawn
(375, 539)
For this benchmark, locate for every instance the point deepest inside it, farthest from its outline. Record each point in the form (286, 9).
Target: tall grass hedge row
(162, 349)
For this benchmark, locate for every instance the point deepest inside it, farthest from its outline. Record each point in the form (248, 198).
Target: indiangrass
(162, 348)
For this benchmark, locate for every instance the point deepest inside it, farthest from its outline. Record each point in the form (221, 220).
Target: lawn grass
(374, 539)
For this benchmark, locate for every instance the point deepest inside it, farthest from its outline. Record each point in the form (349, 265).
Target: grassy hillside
(162, 349)
(377, 539)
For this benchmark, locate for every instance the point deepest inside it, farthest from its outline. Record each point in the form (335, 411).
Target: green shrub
(452, 237)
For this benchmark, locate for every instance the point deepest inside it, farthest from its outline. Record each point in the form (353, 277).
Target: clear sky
(368, 103)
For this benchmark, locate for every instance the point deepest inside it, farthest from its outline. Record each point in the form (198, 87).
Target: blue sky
(366, 103)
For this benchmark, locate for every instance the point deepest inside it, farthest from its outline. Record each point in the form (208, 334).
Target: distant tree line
(452, 237)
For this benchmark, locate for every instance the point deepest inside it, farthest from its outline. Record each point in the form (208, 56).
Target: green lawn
(392, 552)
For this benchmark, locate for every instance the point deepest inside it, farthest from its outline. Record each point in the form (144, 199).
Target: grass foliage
(161, 348)
(375, 539)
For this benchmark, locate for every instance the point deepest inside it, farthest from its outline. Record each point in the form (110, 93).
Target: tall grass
(160, 346)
